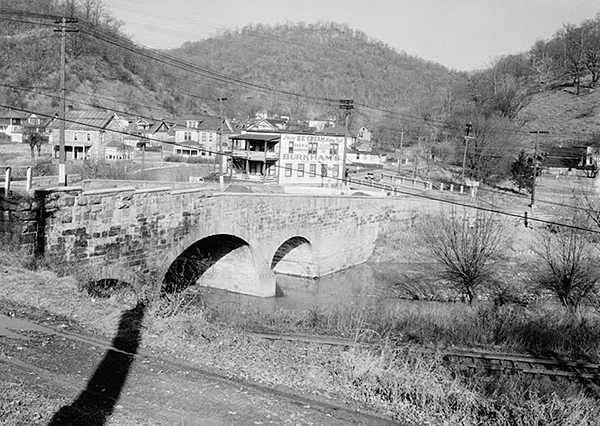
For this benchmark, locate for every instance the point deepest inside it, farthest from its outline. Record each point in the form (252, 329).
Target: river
(359, 286)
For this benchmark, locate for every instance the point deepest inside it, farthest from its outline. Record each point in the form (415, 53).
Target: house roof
(9, 113)
(257, 137)
(85, 120)
(568, 157)
(118, 144)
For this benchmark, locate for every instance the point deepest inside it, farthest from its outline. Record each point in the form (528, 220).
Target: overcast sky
(460, 34)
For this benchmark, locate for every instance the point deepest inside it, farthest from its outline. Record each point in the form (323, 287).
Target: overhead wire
(341, 180)
(186, 66)
(126, 44)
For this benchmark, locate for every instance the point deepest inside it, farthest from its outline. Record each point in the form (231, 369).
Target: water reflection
(357, 286)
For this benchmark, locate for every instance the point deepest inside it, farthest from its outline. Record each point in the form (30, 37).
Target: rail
(508, 363)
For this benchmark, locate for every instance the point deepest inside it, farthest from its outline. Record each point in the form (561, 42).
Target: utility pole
(347, 105)
(221, 99)
(535, 166)
(468, 128)
(400, 153)
(63, 29)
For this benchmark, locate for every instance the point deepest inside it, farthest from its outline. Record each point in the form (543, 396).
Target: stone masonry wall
(134, 234)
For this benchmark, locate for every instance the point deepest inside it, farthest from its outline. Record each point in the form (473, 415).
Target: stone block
(67, 201)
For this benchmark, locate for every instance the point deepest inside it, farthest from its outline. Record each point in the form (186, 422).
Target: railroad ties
(471, 360)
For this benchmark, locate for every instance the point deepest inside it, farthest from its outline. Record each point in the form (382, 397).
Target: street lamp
(468, 128)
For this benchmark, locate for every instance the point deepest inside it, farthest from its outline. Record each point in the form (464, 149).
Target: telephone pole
(221, 99)
(468, 128)
(400, 153)
(348, 105)
(63, 29)
(535, 166)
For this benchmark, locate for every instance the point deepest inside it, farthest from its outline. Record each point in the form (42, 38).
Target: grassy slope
(413, 388)
(565, 115)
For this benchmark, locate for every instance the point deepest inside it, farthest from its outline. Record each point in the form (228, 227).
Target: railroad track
(473, 360)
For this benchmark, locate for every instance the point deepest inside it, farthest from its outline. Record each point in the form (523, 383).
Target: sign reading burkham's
(311, 159)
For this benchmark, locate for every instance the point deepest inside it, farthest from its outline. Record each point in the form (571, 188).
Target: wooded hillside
(302, 70)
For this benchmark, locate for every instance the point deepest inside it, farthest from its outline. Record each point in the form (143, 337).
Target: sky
(464, 35)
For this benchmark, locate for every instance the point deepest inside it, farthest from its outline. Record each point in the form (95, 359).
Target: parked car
(371, 176)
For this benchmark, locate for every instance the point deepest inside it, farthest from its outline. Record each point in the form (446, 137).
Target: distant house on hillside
(87, 134)
(579, 157)
(202, 135)
(11, 124)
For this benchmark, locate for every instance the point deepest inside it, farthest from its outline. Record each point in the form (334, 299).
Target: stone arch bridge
(234, 241)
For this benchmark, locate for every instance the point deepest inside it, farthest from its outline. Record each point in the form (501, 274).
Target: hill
(568, 118)
(305, 65)
(300, 70)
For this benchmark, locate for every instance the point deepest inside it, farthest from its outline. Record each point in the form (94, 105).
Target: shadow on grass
(96, 402)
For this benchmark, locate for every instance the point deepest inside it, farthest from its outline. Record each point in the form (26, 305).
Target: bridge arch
(221, 260)
(295, 256)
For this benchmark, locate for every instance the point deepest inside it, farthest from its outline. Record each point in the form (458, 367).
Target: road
(118, 383)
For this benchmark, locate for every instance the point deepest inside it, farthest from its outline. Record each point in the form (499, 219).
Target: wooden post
(7, 182)
(29, 179)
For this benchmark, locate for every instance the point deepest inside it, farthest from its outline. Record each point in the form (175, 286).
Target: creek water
(365, 285)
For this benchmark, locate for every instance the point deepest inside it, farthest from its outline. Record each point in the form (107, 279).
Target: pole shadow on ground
(96, 402)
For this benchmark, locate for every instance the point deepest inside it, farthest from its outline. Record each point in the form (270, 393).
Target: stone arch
(222, 260)
(295, 256)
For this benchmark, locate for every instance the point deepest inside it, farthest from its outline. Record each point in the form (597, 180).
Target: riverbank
(390, 382)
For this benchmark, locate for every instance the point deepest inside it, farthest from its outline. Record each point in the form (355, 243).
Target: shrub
(466, 246)
(173, 158)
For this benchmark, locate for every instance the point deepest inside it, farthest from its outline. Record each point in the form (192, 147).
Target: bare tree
(34, 135)
(569, 261)
(466, 245)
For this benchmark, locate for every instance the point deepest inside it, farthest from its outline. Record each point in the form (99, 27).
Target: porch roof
(257, 137)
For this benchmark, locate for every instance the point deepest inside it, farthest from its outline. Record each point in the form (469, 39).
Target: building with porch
(266, 152)
(87, 134)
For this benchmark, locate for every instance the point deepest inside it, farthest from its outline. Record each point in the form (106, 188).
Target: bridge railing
(393, 183)
(8, 179)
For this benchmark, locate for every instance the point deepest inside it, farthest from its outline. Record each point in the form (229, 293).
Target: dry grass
(405, 386)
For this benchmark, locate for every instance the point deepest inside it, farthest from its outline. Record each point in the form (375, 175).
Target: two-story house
(11, 124)
(200, 136)
(266, 151)
(87, 135)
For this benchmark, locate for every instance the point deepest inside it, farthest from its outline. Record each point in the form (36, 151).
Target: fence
(31, 181)
(396, 181)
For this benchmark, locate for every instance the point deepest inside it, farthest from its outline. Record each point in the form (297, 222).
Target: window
(288, 170)
(192, 124)
(301, 170)
(187, 136)
(203, 137)
(312, 147)
(75, 136)
(336, 170)
(312, 170)
(291, 147)
(333, 148)
(89, 137)
(323, 170)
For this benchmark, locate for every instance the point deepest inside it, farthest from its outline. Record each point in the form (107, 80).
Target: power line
(339, 179)
(126, 44)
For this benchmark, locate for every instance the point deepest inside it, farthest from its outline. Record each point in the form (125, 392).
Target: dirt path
(103, 383)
